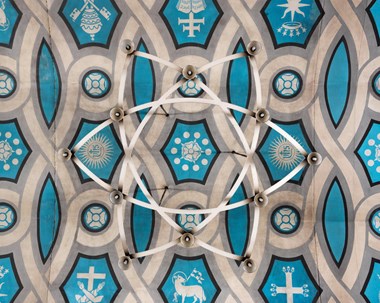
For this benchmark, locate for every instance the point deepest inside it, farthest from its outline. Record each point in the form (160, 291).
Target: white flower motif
(191, 151)
(5, 150)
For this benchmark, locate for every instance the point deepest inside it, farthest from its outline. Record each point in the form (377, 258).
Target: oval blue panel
(49, 218)
(337, 86)
(48, 83)
(143, 81)
(239, 82)
(335, 221)
(142, 222)
(237, 223)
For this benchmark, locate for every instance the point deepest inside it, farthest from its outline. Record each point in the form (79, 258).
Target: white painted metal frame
(153, 204)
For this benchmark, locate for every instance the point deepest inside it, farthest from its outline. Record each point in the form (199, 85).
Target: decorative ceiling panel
(64, 65)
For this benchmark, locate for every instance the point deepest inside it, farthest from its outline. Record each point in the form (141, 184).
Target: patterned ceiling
(318, 239)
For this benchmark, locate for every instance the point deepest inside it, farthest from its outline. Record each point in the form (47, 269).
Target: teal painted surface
(142, 221)
(334, 221)
(237, 221)
(239, 82)
(49, 83)
(337, 82)
(48, 217)
(143, 80)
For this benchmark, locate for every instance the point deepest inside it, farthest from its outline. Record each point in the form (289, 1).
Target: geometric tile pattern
(319, 67)
(200, 147)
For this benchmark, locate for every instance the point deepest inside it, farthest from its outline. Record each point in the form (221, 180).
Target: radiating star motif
(293, 6)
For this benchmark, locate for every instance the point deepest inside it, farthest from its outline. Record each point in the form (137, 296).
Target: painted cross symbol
(288, 289)
(91, 276)
(192, 24)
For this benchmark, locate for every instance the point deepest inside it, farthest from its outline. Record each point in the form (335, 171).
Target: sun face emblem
(283, 154)
(97, 151)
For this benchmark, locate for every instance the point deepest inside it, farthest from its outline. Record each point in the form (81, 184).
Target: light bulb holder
(124, 262)
(127, 46)
(261, 200)
(116, 197)
(187, 240)
(262, 115)
(64, 154)
(249, 266)
(189, 72)
(117, 114)
(314, 158)
(253, 48)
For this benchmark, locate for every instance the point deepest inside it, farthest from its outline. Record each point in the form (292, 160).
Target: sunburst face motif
(283, 154)
(96, 152)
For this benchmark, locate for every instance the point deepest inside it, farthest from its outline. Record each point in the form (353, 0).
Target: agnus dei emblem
(189, 280)
(185, 290)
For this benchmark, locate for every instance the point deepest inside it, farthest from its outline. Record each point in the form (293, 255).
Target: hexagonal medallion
(191, 22)
(91, 22)
(101, 153)
(279, 156)
(292, 22)
(190, 151)
(91, 279)
(188, 280)
(289, 280)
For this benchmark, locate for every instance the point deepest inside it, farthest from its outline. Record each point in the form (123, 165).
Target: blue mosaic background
(60, 69)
